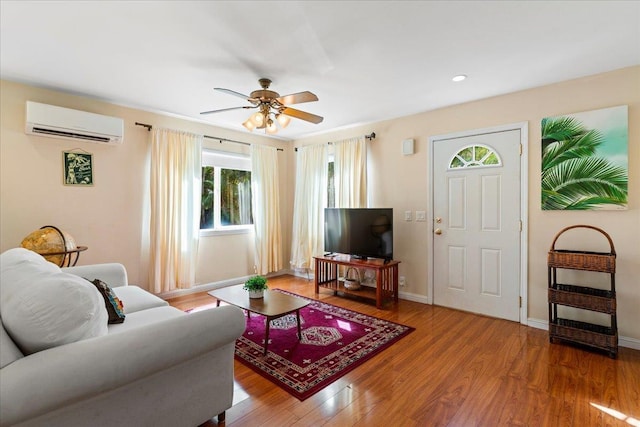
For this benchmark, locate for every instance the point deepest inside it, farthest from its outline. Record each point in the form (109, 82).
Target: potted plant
(256, 286)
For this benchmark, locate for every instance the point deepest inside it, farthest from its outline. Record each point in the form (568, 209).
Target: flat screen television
(359, 232)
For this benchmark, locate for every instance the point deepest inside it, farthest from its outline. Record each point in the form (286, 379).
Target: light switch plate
(407, 215)
(421, 216)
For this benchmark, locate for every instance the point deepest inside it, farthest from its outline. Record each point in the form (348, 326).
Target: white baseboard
(304, 274)
(203, 287)
(413, 297)
(538, 324)
(213, 285)
(627, 342)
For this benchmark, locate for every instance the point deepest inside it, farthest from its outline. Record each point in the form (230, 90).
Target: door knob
(437, 231)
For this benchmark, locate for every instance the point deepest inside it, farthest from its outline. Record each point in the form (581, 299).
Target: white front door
(476, 223)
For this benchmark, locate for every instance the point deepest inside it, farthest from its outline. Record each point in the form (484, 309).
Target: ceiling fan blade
(297, 98)
(303, 115)
(232, 92)
(225, 109)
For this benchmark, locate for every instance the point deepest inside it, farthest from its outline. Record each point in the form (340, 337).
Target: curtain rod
(369, 137)
(149, 127)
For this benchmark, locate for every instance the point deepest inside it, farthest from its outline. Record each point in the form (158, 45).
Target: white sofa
(62, 365)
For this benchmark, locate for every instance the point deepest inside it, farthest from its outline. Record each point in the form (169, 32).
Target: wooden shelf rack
(583, 297)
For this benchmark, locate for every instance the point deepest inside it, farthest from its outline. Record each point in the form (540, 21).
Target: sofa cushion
(135, 299)
(111, 302)
(43, 307)
(9, 353)
(12, 260)
(146, 317)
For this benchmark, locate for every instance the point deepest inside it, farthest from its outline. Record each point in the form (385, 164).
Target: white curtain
(310, 199)
(266, 208)
(350, 173)
(175, 188)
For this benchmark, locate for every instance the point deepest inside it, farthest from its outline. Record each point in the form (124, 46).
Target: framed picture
(78, 168)
(585, 160)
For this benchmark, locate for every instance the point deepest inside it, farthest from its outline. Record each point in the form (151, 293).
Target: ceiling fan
(271, 107)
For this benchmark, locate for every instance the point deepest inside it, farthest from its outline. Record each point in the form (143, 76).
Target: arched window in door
(475, 155)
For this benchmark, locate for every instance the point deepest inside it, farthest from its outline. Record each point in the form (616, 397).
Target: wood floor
(455, 369)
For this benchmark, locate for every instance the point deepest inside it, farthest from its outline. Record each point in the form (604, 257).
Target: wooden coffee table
(272, 306)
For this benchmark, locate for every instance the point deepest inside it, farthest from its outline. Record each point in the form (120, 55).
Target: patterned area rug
(334, 341)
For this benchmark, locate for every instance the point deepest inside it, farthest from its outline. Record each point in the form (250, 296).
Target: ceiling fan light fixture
(283, 120)
(248, 124)
(257, 119)
(271, 127)
(271, 108)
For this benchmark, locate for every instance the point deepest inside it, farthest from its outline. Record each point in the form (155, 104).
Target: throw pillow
(43, 307)
(111, 301)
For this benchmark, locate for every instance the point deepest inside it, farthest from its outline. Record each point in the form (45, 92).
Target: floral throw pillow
(111, 301)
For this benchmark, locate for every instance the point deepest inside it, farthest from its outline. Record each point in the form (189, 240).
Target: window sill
(226, 231)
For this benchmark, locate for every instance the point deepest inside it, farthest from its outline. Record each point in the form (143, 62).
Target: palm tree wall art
(585, 160)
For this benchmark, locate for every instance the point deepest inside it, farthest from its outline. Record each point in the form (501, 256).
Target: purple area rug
(334, 341)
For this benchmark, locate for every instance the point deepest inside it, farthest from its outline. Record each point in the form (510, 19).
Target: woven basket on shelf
(583, 297)
(585, 333)
(352, 284)
(583, 260)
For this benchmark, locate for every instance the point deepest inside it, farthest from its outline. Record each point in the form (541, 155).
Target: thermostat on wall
(407, 147)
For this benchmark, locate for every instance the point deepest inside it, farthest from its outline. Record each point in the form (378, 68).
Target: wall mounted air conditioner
(59, 122)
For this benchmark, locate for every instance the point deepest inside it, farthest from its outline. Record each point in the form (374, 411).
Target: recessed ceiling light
(459, 78)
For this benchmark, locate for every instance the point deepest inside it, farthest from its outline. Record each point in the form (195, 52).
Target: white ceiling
(365, 60)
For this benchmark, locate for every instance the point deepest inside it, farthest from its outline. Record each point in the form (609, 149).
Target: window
(331, 186)
(476, 155)
(226, 192)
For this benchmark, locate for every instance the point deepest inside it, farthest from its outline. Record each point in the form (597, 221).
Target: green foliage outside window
(474, 156)
(234, 197)
(331, 187)
(206, 209)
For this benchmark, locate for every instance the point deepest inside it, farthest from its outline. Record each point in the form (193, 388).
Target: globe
(50, 239)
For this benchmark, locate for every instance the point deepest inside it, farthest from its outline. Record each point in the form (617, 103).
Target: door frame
(523, 127)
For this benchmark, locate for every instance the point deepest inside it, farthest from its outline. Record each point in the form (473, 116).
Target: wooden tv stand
(327, 269)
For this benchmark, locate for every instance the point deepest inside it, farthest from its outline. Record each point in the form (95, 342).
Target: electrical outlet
(407, 215)
(402, 281)
(421, 216)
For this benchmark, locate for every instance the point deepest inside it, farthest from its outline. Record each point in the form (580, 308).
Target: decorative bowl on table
(352, 283)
